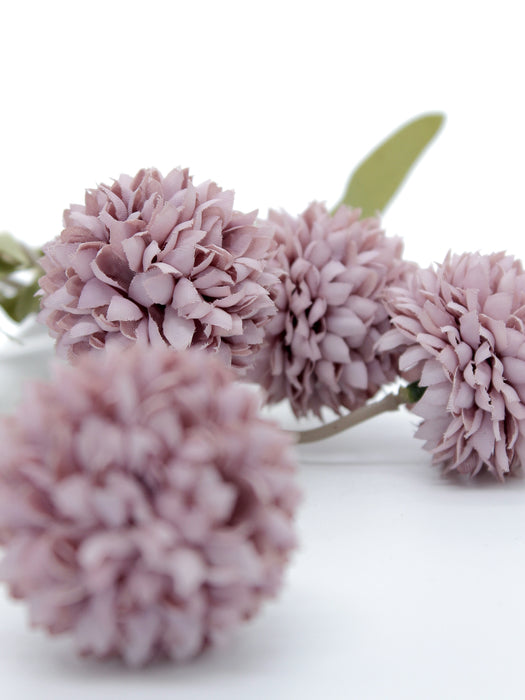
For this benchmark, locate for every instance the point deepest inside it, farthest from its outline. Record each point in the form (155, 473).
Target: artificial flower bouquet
(146, 508)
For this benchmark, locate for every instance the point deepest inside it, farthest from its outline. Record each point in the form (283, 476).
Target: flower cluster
(461, 329)
(320, 309)
(161, 261)
(321, 347)
(145, 508)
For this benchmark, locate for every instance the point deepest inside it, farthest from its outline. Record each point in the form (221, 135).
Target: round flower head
(320, 349)
(461, 326)
(145, 508)
(161, 260)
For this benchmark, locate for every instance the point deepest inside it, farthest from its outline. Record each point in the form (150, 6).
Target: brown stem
(391, 402)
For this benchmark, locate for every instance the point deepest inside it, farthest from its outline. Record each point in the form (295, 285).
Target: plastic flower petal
(461, 327)
(320, 348)
(145, 508)
(159, 260)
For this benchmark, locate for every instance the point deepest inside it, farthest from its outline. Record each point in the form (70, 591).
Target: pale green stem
(390, 402)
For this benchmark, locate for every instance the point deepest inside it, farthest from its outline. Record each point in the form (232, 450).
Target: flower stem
(390, 402)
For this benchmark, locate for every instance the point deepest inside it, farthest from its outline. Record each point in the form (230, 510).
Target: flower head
(320, 348)
(461, 327)
(159, 260)
(145, 508)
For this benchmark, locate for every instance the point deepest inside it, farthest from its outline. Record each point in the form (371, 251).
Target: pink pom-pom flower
(159, 260)
(461, 329)
(320, 348)
(145, 508)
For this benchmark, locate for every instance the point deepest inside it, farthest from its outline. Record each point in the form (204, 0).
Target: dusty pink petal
(122, 309)
(160, 243)
(145, 508)
(461, 327)
(178, 331)
(94, 294)
(151, 287)
(320, 349)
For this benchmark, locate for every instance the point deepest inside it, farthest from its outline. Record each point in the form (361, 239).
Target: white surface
(407, 585)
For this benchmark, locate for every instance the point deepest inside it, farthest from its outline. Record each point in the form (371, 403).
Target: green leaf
(12, 252)
(6, 268)
(412, 393)
(376, 180)
(23, 303)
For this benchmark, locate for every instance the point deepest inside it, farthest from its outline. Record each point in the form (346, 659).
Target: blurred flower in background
(320, 348)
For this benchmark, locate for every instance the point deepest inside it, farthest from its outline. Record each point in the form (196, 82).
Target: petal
(152, 287)
(121, 309)
(95, 293)
(178, 331)
(334, 348)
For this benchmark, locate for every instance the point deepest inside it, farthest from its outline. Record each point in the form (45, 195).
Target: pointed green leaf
(415, 392)
(22, 303)
(376, 180)
(6, 268)
(12, 252)
(411, 393)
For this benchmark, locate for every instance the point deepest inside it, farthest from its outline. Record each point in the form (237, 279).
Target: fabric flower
(320, 348)
(160, 260)
(461, 326)
(145, 507)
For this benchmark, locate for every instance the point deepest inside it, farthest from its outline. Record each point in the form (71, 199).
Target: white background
(407, 585)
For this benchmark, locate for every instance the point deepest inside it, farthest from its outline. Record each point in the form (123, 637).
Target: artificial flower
(320, 348)
(162, 261)
(461, 328)
(145, 507)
